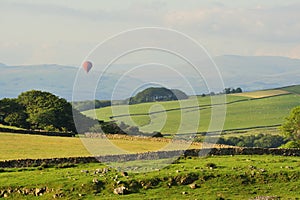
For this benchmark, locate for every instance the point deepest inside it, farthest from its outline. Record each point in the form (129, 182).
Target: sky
(65, 31)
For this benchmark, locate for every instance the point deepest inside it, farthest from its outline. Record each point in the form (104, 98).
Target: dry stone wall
(21, 131)
(149, 156)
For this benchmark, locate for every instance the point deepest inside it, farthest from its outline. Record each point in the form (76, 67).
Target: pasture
(221, 177)
(292, 89)
(20, 146)
(170, 117)
(262, 93)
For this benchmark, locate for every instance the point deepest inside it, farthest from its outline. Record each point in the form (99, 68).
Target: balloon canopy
(87, 66)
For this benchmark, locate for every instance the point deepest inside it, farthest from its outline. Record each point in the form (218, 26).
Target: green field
(262, 93)
(222, 177)
(242, 112)
(293, 89)
(18, 146)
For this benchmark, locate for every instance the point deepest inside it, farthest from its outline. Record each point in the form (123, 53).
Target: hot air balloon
(87, 66)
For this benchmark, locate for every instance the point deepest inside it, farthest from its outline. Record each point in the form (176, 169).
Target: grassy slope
(252, 113)
(238, 177)
(18, 146)
(10, 127)
(293, 89)
(262, 93)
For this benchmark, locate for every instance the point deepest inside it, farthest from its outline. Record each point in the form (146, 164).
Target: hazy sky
(63, 32)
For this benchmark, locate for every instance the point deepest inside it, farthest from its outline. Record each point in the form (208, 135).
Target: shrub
(260, 140)
(291, 145)
(211, 165)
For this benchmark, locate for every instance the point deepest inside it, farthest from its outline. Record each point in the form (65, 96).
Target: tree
(238, 90)
(47, 111)
(12, 113)
(232, 90)
(157, 94)
(227, 90)
(291, 126)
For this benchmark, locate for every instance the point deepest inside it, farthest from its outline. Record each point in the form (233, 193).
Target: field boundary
(150, 156)
(200, 107)
(32, 132)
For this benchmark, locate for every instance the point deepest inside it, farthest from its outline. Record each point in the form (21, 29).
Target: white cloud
(246, 28)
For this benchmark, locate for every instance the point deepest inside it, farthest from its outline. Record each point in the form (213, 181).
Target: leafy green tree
(232, 90)
(12, 113)
(238, 90)
(260, 140)
(43, 108)
(227, 90)
(49, 112)
(157, 94)
(291, 127)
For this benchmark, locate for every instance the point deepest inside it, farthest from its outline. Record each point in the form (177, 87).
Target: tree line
(39, 110)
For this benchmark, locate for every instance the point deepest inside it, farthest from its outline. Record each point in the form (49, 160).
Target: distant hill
(57, 79)
(248, 72)
(153, 94)
(258, 72)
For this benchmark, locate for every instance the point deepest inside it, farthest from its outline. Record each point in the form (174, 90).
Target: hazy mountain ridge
(247, 72)
(258, 72)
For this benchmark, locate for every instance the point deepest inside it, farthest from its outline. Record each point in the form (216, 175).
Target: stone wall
(150, 156)
(21, 131)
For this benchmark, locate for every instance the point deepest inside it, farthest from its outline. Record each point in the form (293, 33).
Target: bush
(260, 140)
(290, 127)
(157, 134)
(65, 165)
(291, 145)
(211, 165)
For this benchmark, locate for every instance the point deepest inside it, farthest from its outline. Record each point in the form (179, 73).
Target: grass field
(293, 89)
(262, 93)
(242, 112)
(10, 127)
(222, 177)
(18, 146)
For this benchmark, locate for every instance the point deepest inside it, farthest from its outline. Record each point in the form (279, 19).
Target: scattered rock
(266, 198)
(10, 191)
(193, 186)
(84, 171)
(26, 191)
(105, 170)
(262, 170)
(59, 195)
(124, 173)
(2, 192)
(95, 180)
(121, 190)
(188, 179)
(252, 167)
(211, 165)
(39, 191)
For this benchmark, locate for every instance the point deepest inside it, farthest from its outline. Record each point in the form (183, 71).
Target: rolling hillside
(245, 110)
